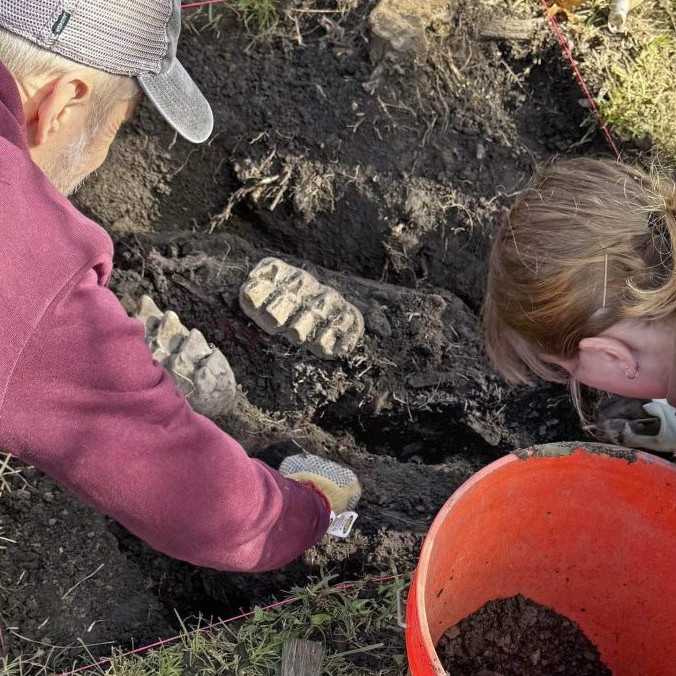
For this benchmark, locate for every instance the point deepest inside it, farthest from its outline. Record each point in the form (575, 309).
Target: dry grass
(258, 16)
(346, 621)
(10, 474)
(631, 74)
(270, 18)
(641, 98)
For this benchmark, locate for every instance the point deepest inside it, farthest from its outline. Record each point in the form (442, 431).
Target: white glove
(645, 425)
(665, 440)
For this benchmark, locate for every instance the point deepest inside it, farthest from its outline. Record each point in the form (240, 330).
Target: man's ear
(613, 352)
(56, 103)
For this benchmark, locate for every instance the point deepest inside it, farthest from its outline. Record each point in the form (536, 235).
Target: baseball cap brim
(181, 103)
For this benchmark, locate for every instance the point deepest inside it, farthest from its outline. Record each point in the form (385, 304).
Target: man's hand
(339, 484)
(635, 423)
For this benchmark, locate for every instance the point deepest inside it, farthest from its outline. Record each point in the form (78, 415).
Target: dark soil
(383, 178)
(48, 601)
(518, 637)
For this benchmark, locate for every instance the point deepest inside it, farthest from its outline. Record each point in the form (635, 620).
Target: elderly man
(80, 396)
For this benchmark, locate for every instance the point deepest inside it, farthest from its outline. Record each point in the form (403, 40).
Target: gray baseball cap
(137, 38)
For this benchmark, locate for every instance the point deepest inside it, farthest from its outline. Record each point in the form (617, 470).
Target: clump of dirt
(518, 637)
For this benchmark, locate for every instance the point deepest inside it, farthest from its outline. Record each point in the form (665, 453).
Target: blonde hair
(587, 244)
(24, 59)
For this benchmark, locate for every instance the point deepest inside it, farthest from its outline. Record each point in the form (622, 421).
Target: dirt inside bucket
(518, 637)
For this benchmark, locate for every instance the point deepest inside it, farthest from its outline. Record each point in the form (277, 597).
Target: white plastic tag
(340, 525)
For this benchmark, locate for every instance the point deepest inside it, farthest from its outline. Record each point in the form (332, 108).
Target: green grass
(641, 96)
(259, 17)
(631, 74)
(358, 627)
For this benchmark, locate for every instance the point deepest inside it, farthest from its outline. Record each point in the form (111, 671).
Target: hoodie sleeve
(88, 406)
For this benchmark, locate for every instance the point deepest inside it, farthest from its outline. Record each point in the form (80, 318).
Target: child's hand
(634, 423)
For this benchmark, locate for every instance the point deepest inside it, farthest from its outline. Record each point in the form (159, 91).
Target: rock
(400, 26)
(201, 372)
(282, 299)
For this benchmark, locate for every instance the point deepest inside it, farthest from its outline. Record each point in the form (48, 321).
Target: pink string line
(565, 46)
(167, 641)
(203, 3)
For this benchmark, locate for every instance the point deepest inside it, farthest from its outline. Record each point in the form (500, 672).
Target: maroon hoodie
(82, 399)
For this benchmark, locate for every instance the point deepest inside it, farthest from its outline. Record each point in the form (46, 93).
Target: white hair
(23, 59)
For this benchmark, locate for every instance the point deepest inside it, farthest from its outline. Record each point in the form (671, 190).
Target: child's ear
(614, 353)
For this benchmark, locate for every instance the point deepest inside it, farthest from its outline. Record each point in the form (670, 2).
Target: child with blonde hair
(582, 288)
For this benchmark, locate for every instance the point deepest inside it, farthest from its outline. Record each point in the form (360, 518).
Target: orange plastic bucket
(589, 532)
